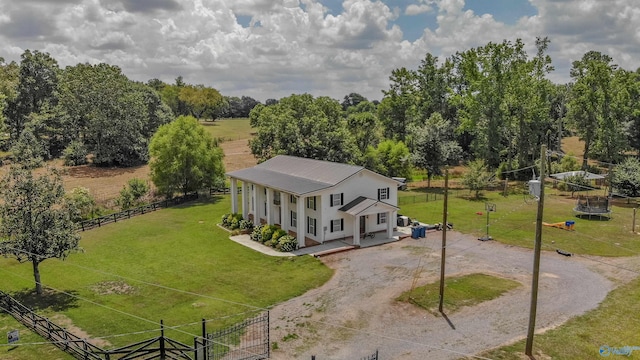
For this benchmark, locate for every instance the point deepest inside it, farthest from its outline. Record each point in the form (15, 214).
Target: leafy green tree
(75, 154)
(365, 128)
(397, 109)
(184, 157)
(591, 106)
(477, 177)
(28, 150)
(37, 86)
(394, 159)
(434, 146)
(200, 100)
(626, 177)
(36, 223)
(132, 193)
(81, 204)
(353, 99)
(113, 116)
(304, 126)
(575, 183)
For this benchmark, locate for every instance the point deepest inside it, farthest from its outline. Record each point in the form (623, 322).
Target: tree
(396, 108)
(477, 177)
(37, 86)
(393, 159)
(81, 204)
(200, 100)
(304, 126)
(434, 146)
(184, 157)
(590, 107)
(28, 150)
(353, 99)
(36, 222)
(626, 177)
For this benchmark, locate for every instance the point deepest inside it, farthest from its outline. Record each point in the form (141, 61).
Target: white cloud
(414, 9)
(294, 46)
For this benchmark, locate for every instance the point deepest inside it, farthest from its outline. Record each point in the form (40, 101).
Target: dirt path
(355, 313)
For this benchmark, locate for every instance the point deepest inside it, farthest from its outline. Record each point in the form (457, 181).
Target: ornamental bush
(278, 234)
(287, 243)
(256, 234)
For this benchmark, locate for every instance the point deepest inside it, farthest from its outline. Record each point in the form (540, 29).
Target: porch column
(269, 201)
(390, 215)
(234, 195)
(282, 211)
(356, 230)
(245, 208)
(254, 204)
(301, 219)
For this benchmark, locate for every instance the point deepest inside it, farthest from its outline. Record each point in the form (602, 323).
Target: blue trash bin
(423, 231)
(415, 232)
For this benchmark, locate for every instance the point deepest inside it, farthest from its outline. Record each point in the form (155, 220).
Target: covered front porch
(363, 210)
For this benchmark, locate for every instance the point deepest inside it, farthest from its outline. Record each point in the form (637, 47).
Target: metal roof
(297, 175)
(587, 175)
(361, 204)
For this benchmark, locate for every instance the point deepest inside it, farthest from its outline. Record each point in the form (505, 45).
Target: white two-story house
(316, 201)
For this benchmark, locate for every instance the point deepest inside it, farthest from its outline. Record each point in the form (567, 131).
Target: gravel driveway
(355, 312)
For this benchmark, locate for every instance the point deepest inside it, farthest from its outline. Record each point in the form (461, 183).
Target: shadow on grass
(49, 300)
(200, 201)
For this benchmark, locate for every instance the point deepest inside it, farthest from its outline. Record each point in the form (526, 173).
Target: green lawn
(467, 290)
(229, 129)
(514, 222)
(614, 323)
(178, 247)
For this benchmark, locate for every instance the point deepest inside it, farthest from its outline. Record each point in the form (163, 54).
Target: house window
(311, 202)
(337, 199)
(293, 199)
(311, 226)
(382, 218)
(383, 194)
(337, 225)
(276, 198)
(294, 219)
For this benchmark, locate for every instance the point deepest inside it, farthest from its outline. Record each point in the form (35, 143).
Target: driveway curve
(355, 313)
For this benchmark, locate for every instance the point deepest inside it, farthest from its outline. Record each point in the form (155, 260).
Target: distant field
(106, 183)
(177, 247)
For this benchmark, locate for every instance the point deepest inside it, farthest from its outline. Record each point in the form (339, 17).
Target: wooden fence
(127, 214)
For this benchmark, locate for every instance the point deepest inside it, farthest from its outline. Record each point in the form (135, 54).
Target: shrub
(245, 224)
(138, 188)
(256, 234)
(235, 224)
(81, 204)
(269, 243)
(278, 234)
(267, 232)
(287, 243)
(75, 154)
(224, 221)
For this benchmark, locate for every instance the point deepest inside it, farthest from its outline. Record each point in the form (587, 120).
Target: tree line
(493, 104)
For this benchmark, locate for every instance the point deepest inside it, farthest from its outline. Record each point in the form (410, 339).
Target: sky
(275, 48)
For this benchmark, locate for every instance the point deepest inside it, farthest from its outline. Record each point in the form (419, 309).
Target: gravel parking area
(356, 313)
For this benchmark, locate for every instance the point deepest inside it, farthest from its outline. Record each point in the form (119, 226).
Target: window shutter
(341, 224)
(378, 194)
(388, 194)
(331, 200)
(378, 216)
(341, 199)
(331, 225)
(314, 227)
(290, 218)
(314, 204)
(308, 224)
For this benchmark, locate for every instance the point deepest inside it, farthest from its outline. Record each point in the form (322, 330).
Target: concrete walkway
(329, 247)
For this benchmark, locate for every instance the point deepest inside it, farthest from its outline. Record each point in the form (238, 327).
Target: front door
(363, 224)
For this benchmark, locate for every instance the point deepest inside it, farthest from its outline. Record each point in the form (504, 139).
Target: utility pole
(444, 236)
(536, 257)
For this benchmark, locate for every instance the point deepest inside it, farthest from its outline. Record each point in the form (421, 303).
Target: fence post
(98, 222)
(115, 219)
(82, 224)
(205, 342)
(162, 354)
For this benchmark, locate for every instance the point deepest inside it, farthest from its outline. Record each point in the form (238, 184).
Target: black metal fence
(127, 214)
(412, 199)
(248, 340)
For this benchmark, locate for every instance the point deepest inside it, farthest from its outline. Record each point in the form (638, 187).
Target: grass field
(178, 248)
(466, 290)
(229, 129)
(514, 222)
